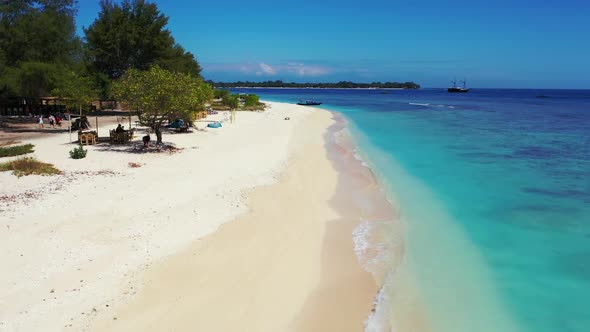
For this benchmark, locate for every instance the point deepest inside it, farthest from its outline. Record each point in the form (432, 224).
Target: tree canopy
(37, 43)
(231, 101)
(251, 100)
(221, 93)
(39, 48)
(133, 35)
(159, 95)
(75, 90)
(38, 31)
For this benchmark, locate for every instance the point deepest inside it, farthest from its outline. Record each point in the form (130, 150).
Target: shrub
(27, 166)
(11, 151)
(232, 101)
(78, 153)
(221, 94)
(251, 100)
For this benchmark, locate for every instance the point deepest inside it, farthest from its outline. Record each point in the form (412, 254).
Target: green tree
(76, 91)
(221, 94)
(251, 100)
(38, 31)
(159, 95)
(37, 42)
(133, 35)
(231, 101)
(32, 79)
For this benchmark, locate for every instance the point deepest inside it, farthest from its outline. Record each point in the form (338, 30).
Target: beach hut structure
(20, 107)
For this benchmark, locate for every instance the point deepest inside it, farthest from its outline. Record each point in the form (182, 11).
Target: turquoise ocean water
(493, 187)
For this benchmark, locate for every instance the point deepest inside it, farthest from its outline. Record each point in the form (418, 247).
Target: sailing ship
(456, 88)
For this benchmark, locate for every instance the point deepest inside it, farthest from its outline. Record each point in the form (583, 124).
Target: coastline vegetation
(159, 95)
(11, 151)
(225, 100)
(28, 166)
(338, 85)
(41, 55)
(127, 54)
(132, 34)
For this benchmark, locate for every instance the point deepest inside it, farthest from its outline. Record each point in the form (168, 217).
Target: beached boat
(308, 103)
(456, 88)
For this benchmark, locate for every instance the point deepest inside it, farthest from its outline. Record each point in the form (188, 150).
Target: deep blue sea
(493, 187)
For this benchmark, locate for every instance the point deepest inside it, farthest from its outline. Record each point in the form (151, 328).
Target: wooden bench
(121, 137)
(87, 138)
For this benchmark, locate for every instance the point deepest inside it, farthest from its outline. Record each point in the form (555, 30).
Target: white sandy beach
(108, 247)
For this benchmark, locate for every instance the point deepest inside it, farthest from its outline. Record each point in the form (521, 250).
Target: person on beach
(51, 121)
(40, 121)
(146, 141)
(119, 129)
(58, 121)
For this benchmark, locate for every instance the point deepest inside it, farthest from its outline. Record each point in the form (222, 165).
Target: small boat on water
(456, 88)
(308, 103)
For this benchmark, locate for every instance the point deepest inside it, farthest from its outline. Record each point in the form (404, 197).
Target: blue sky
(518, 43)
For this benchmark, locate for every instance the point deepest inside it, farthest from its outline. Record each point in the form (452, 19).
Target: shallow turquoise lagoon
(494, 187)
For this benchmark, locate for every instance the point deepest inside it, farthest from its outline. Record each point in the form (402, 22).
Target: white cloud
(266, 69)
(306, 70)
(263, 69)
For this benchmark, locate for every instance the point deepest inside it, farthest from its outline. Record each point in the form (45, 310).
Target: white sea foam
(360, 237)
(359, 157)
(372, 254)
(378, 320)
(376, 245)
(375, 257)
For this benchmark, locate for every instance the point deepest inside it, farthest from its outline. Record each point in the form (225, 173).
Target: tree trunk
(158, 134)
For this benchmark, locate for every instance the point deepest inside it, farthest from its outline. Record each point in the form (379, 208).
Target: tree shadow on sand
(34, 130)
(138, 148)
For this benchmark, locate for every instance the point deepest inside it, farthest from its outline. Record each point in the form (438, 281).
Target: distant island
(339, 85)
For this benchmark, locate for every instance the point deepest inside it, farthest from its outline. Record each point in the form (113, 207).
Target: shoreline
(91, 286)
(321, 283)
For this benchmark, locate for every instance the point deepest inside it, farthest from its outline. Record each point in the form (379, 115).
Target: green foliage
(27, 166)
(232, 101)
(103, 85)
(78, 153)
(32, 80)
(38, 31)
(37, 40)
(178, 59)
(251, 100)
(158, 95)
(221, 94)
(11, 151)
(75, 90)
(133, 35)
